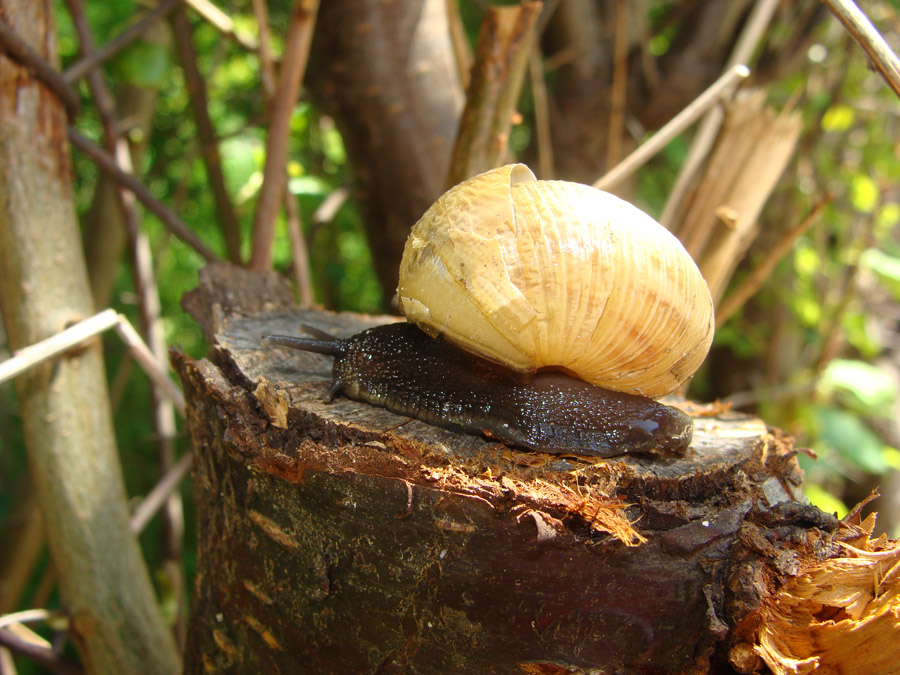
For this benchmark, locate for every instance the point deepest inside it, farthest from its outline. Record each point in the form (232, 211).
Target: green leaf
(864, 193)
(144, 65)
(887, 218)
(826, 501)
(866, 388)
(846, 434)
(309, 185)
(885, 267)
(838, 118)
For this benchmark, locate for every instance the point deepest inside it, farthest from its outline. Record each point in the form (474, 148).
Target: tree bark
(115, 621)
(343, 538)
(386, 72)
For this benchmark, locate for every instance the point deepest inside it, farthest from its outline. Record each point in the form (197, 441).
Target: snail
(547, 314)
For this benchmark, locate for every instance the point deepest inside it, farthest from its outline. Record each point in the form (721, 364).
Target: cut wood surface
(344, 538)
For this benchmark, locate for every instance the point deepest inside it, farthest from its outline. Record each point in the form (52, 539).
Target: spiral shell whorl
(535, 274)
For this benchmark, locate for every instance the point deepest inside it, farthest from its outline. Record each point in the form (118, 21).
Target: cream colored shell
(533, 274)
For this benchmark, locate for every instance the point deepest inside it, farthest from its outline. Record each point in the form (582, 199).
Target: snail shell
(534, 274)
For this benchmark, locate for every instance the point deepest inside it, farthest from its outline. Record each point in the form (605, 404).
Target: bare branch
(541, 114)
(501, 57)
(28, 357)
(222, 22)
(41, 655)
(293, 66)
(676, 125)
(160, 494)
(619, 85)
(757, 277)
(148, 362)
(206, 134)
(171, 221)
(118, 43)
(706, 134)
(21, 51)
(868, 37)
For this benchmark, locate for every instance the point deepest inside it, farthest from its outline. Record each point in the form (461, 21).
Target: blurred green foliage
(836, 281)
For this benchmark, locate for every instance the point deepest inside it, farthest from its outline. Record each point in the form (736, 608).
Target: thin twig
(462, 52)
(868, 37)
(617, 93)
(267, 67)
(171, 221)
(330, 205)
(206, 135)
(159, 494)
(21, 52)
(41, 655)
(222, 22)
(28, 616)
(102, 96)
(299, 251)
(541, 115)
(675, 126)
(28, 357)
(33, 355)
(743, 50)
(501, 57)
(754, 281)
(271, 194)
(150, 365)
(80, 68)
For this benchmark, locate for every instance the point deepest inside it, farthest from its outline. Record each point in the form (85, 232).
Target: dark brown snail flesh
(401, 368)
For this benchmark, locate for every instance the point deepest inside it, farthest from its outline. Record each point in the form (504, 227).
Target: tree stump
(342, 538)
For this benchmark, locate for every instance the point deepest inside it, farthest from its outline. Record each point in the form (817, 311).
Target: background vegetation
(815, 352)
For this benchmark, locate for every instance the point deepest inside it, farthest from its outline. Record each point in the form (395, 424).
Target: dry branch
(171, 221)
(752, 151)
(675, 126)
(757, 277)
(206, 135)
(879, 52)
(750, 36)
(293, 66)
(501, 58)
(80, 68)
(222, 22)
(16, 48)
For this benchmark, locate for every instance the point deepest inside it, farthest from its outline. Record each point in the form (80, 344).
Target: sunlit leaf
(806, 261)
(868, 389)
(824, 500)
(861, 334)
(864, 193)
(838, 118)
(309, 185)
(891, 456)
(885, 267)
(887, 218)
(847, 435)
(144, 65)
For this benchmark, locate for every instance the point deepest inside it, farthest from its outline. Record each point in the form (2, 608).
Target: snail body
(537, 273)
(506, 277)
(401, 368)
